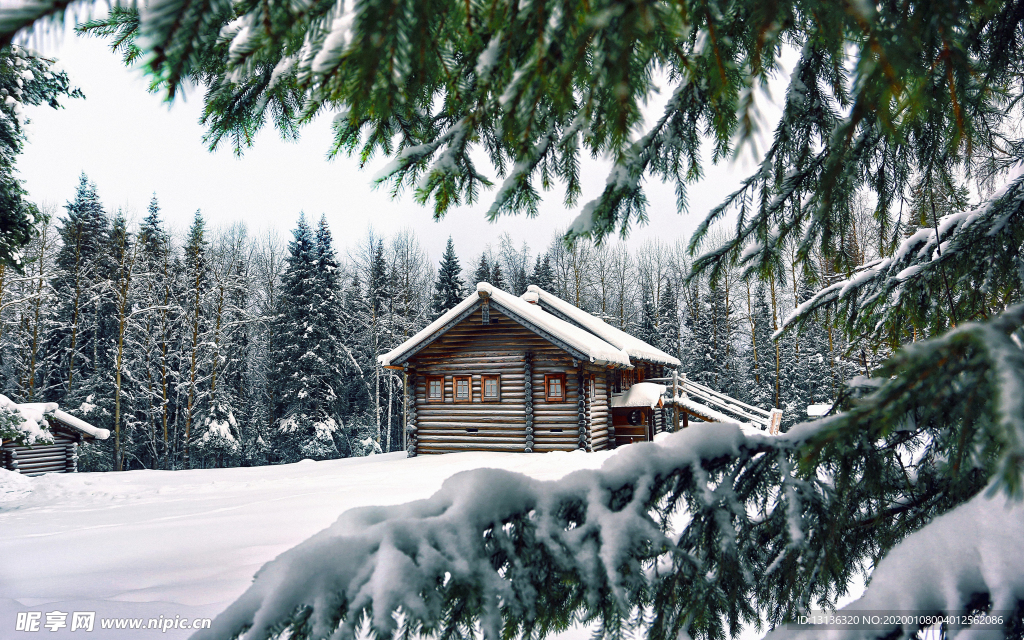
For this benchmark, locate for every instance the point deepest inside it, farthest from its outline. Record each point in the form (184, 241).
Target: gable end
(468, 311)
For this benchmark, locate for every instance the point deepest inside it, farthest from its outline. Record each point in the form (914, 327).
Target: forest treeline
(217, 348)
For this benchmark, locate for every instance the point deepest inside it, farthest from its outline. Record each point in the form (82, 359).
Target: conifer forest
(219, 348)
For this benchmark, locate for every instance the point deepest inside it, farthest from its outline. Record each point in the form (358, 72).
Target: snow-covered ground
(146, 544)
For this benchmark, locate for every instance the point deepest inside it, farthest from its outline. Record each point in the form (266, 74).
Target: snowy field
(145, 544)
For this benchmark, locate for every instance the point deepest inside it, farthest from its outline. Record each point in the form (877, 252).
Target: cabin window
(463, 389)
(435, 389)
(491, 388)
(591, 391)
(627, 378)
(554, 387)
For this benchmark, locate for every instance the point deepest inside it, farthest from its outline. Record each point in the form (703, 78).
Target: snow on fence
(714, 405)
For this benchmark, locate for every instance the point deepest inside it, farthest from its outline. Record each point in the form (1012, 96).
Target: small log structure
(60, 456)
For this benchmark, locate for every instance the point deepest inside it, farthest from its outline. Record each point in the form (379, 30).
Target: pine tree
(195, 315)
(25, 79)
(153, 341)
(497, 278)
(668, 320)
(379, 296)
(83, 236)
(218, 435)
(331, 337)
(483, 271)
(708, 357)
(307, 329)
(543, 275)
(761, 355)
(125, 250)
(647, 328)
(449, 289)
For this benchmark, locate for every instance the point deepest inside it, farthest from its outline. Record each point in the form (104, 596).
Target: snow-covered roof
(632, 345)
(592, 347)
(818, 410)
(641, 394)
(81, 425)
(33, 414)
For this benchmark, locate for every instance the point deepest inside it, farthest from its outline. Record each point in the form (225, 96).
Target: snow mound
(13, 486)
(974, 549)
(641, 394)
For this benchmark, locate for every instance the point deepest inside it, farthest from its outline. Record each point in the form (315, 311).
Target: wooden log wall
(581, 409)
(410, 407)
(528, 399)
(523, 420)
(59, 457)
(556, 424)
(600, 415)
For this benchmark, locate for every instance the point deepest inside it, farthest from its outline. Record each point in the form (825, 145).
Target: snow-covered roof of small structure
(641, 394)
(632, 345)
(587, 344)
(81, 425)
(33, 414)
(818, 410)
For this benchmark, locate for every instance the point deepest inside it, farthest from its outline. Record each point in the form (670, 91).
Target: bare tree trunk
(775, 327)
(193, 367)
(75, 309)
(123, 314)
(753, 334)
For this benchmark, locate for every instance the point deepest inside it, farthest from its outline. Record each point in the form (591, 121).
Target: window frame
(427, 390)
(548, 377)
(455, 388)
(483, 387)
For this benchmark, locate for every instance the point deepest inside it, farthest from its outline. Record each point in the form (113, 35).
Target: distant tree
(307, 424)
(497, 278)
(483, 271)
(515, 263)
(543, 275)
(379, 296)
(760, 366)
(83, 236)
(155, 330)
(449, 289)
(647, 327)
(195, 316)
(668, 320)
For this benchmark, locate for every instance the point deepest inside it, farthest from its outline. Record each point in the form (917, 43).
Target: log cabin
(525, 374)
(60, 456)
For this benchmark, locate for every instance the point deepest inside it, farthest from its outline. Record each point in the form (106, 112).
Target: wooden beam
(426, 342)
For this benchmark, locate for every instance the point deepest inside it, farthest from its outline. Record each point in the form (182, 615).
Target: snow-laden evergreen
(449, 289)
(307, 371)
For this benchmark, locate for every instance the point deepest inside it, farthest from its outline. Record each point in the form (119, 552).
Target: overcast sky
(132, 144)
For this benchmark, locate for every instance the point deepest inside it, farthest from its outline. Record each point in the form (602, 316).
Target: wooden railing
(690, 396)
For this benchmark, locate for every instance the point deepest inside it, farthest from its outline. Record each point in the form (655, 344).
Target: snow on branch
(507, 551)
(892, 287)
(25, 423)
